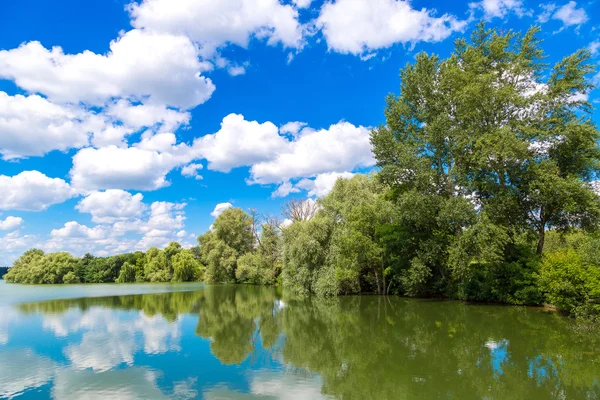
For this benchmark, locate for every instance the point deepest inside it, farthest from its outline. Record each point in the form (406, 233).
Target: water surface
(244, 342)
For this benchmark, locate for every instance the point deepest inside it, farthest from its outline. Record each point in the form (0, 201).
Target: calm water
(241, 342)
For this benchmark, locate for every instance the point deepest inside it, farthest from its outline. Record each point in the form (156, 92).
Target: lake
(242, 342)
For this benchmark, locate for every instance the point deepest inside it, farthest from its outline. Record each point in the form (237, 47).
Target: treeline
(173, 264)
(483, 193)
(3, 271)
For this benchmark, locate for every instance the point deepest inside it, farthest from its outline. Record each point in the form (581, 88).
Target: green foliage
(186, 268)
(262, 266)
(35, 267)
(127, 274)
(569, 276)
(230, 238)
(157, 267)
(220, 259)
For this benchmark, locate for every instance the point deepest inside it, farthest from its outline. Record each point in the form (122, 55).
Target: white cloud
(181, 234)
(191, 171)
(141, 115)
(112, 205)
(240, 142)
(10, 223)
(156, 68)
(501, 8)
(358, 26)
(219, 208)
(302, 3)
(141, 167)
(595, 47)
(292, 128)
(568, 14)
(73, 229)
(33, 126)
(342, 147)
(323, 183)
(158, 226)
(285, 189)
(32, 191)
(213, 24)
(14, 242)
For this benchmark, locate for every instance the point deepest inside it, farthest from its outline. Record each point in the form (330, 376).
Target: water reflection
(236, 342)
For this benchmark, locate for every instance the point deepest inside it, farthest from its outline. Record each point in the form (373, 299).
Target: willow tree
(231, 237)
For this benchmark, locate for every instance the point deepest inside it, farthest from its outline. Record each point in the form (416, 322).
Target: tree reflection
(370, 347)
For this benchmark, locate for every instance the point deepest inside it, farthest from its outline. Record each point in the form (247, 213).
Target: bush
(569, 284)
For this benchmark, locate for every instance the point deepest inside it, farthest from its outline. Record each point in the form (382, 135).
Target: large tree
(491, 130)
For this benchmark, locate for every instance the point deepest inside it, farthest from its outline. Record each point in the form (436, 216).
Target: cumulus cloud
(112, 205)
(292, 128)
(285, 189)
(213, 24)
(14, 242)
(219, 208)
(142, 65)
(342, 147)
(191, 171)
(568, 14)
(32, 191)
(158, 225)
(322, 184)
(501, 8)
(360, 26)
(302, 3)
(73, 229)
(33, 126)
(240, 142)
(10, 223)
(143, 166)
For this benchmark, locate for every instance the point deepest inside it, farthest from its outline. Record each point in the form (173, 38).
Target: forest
(484, 190)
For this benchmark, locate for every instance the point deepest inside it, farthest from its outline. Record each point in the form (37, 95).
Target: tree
(299, 210)
(231, 237)
(480, 142)
(157, 268)
(127, 274)
(186, 268)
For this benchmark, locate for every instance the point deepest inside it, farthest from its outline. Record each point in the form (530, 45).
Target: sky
(129, 124)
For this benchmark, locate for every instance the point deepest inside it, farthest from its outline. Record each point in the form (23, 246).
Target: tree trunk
(377, 280)
(542, 238)
(383, 277)
(541, 233)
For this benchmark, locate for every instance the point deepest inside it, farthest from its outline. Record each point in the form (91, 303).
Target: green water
(241, 342)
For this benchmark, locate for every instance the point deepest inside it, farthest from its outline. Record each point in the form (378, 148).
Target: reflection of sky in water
(499, 352)
(102, 353)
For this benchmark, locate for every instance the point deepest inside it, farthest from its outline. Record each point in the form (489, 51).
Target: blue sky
(125, 124)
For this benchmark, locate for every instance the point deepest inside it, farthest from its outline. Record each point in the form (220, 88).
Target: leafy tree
(231, 237)
(127, 274)
(479, 150)
(186, 268)
(157, 267)
(263, 265)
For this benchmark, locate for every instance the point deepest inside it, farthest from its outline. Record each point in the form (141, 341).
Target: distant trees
(173, 264)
